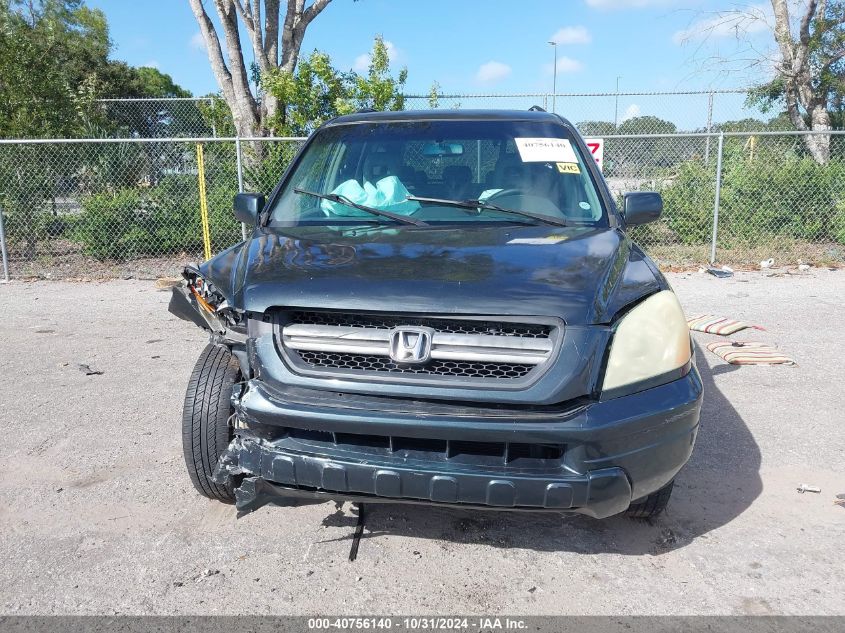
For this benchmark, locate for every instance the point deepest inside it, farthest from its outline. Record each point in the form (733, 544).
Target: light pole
(554, 78)
(616, 116)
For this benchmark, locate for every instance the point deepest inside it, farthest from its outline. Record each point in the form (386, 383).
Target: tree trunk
(251, 116)
(797, 72)
(819, 144)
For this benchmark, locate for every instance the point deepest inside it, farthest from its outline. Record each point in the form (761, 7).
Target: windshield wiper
(480, 204)
(340, 199)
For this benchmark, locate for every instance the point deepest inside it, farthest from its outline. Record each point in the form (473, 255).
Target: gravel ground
(97, 515)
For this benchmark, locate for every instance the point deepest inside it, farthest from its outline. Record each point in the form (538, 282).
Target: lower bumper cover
(597, 493)
(616, 451)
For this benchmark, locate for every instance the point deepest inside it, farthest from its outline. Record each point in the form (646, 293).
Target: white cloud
(492, 71)
(631, 112)
(721, 24)
(630, 4)
(565, 65)
(362, 62)
(197, 42)
(572, 35)
(153, 63)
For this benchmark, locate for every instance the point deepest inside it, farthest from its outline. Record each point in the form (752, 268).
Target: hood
(581, 274)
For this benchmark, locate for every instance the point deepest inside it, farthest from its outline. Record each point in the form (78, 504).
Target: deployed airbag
(388, 193)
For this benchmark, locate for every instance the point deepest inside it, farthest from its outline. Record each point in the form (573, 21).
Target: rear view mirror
(248, 206)
(642, 207)
(437, 150)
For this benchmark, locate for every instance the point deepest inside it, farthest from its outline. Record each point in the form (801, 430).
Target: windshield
(414, 169)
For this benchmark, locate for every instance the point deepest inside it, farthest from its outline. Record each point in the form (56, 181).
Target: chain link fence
(131, 207)
(735, 198)
(611, 112)
(126, 207)
(593, 113)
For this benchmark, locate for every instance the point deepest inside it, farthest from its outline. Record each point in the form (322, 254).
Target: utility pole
(554, 79)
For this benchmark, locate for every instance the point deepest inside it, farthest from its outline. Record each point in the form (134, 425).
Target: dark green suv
(440, 307)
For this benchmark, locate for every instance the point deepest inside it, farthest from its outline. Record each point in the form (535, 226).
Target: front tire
(652, 505)
(205, 420)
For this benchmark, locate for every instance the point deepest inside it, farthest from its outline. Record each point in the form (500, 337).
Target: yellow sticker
(568, 168)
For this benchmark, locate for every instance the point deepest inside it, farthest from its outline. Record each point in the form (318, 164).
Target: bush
(163, 220)
(688, 201)
(108, 227)
(772, 195)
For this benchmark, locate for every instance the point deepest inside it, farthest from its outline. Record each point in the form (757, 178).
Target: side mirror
(248, 206)
(642, 207)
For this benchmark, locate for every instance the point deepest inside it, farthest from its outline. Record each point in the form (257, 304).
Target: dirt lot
(97, 515)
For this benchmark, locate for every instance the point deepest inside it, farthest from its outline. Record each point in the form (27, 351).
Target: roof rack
(536, 108)
(365, 110)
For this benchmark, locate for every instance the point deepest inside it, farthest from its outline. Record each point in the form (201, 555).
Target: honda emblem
(410, 345)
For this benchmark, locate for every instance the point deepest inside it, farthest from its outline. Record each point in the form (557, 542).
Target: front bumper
(616, 451)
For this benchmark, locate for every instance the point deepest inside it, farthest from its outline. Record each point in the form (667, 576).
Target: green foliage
(379, 90)
(217, 116)
(647, 125)
(162, 220)
(773, 194)
(596, 128)
(688, 202)
(313, 94)
(317, 91)
(50, 53)
(109, 227)
(54, 65)
(434, 96)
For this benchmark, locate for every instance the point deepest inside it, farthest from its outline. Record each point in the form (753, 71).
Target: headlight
(650, 342)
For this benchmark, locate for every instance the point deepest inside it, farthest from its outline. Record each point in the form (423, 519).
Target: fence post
(240, 177)
(709, 128)
(3, 248)
(718, 194)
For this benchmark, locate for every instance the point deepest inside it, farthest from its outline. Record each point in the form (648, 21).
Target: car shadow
(720, 481)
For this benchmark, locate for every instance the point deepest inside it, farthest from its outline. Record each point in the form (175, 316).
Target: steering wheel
(506, 192)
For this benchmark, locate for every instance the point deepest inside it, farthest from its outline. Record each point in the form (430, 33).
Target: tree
(810, 72)
(54, 65)
(250, 114)
(807, 63)
(147, 118)
(639, 156)
(317, 91)
(50, 55)
(597, 128)
(647, 125)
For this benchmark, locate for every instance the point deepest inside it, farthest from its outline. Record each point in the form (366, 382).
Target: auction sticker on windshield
(545, 150)
(568, 168)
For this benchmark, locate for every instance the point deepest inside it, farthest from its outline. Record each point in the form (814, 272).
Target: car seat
(457, 182)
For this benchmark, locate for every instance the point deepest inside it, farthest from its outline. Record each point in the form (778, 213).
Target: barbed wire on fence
(118, 207)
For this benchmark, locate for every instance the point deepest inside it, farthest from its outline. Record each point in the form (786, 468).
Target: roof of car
(447, 115)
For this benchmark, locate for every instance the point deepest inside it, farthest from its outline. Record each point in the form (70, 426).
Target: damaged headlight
(650, 345)
(210, 300)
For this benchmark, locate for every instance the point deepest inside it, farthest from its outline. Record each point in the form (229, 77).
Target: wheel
(652, 505)
(205, 420)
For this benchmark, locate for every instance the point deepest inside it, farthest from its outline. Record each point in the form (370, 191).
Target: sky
(482, 46)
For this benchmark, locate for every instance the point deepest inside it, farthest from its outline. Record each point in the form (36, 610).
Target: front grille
(334, 360)
(447, 326)
(360, 344)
